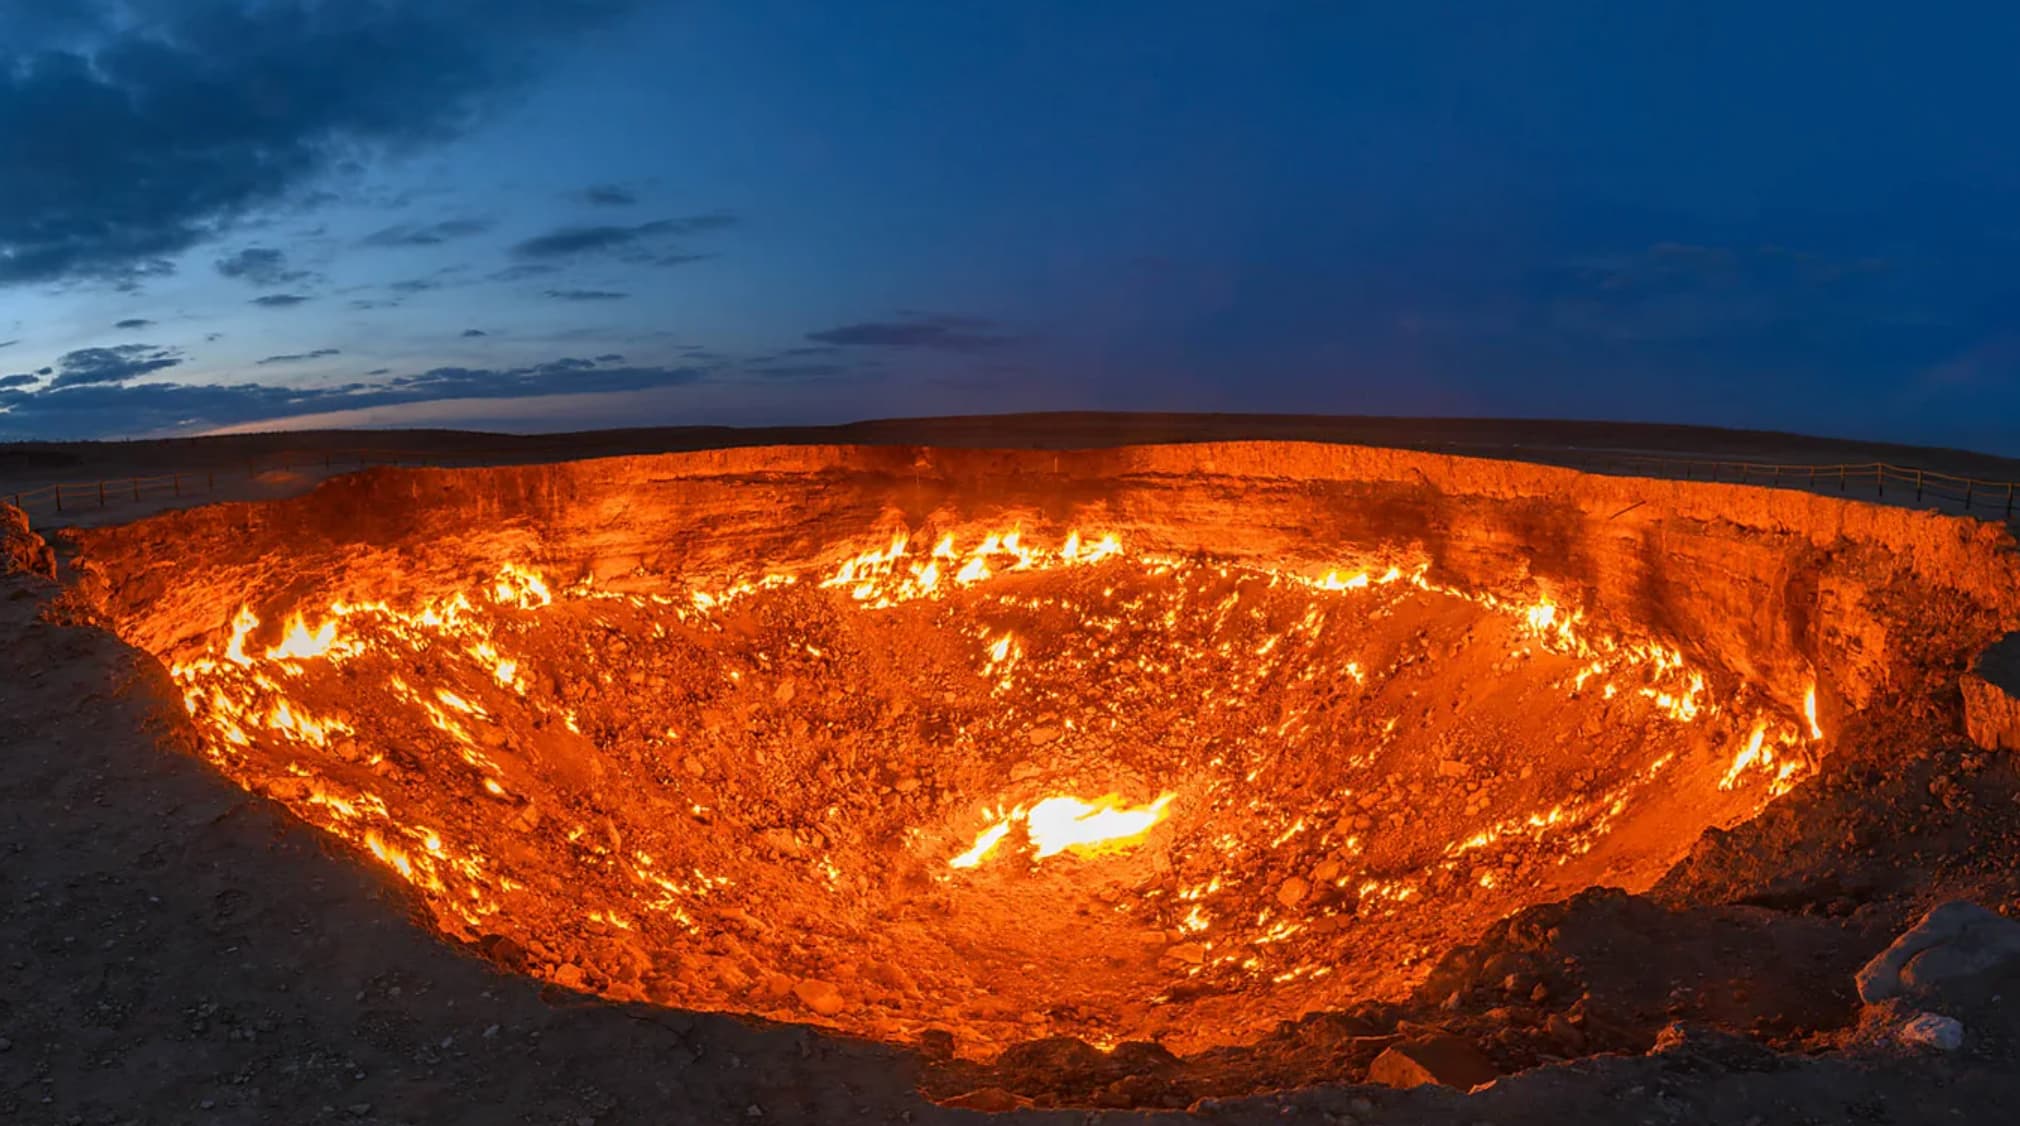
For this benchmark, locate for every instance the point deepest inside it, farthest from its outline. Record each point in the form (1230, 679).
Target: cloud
(116, 364)
(8, 343)
(415, 285)
(430, 234)
(298, 357)
(469, 332)
(608, 195)
(936, 332)
(134, 322)
(586, 295)
(151, 135)
(111, 409)
(22, 380)
(278, 300)
(523, 271)
(261, 266)
(787, 372)
(625, 242)
(610, 358)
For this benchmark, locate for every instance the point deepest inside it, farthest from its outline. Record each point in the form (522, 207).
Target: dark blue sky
(533, 214)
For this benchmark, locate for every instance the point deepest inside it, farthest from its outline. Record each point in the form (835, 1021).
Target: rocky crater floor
(177, 949)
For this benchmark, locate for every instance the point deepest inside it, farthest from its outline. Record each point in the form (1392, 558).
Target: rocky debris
(1448, 1061)
(1292, 891)
(1992, 696)
(1955, 940)
(820, 996)
(992, 1100)
(1931, 1030)
(21, 550)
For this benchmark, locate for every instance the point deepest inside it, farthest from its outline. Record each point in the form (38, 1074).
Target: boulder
(1444, 1060)
(1929, 1030)
(994, 1100)
(1955, 940)
(820, 996)
(1992, 697)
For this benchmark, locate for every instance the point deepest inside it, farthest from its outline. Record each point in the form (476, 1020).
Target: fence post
(1918, 486)
(135, 482)
(1880, 479)
(177, 484)
(1970, 483)
(1841, 478)
(59, 498)
(101, 494)
(2009, 500)
(210, 481)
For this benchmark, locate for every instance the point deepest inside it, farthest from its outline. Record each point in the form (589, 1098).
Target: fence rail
(1896, 484)
(1911, 484)
(78, 496)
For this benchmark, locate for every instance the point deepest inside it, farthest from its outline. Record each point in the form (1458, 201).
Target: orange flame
(1059, 823)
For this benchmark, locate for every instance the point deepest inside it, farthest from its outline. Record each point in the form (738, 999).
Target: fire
(425, 734)
(1057, 824)
(985, 843)
(299, 643)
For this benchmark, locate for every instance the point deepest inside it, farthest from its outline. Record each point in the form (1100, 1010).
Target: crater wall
(1770, 586)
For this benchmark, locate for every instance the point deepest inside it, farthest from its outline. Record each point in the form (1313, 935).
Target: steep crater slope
(1164, 743)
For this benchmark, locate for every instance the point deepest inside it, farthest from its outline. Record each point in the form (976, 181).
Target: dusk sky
(558, 214)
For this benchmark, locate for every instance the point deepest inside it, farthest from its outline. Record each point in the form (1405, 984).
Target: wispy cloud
(935, 332)
(116, 364)
(261, 266)
(629, 243)
(428, 234)
(586, 295)
(111, 406)
(298, 357)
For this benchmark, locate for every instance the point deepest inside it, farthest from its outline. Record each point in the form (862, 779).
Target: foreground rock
(1945, 1034)
(1447, 1061)
(1956, 940)
(1992, 697)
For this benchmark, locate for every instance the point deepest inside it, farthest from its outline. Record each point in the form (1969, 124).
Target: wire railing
(83, 496)
(1910, 484)
(1893, 484)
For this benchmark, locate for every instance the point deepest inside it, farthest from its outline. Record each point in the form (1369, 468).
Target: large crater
(1164, 743)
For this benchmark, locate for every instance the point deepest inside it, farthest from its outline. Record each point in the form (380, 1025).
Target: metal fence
(79, 496)
(1909, 485)
(1893, 484)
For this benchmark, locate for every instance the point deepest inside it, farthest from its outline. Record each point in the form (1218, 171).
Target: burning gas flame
(1059, 823)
